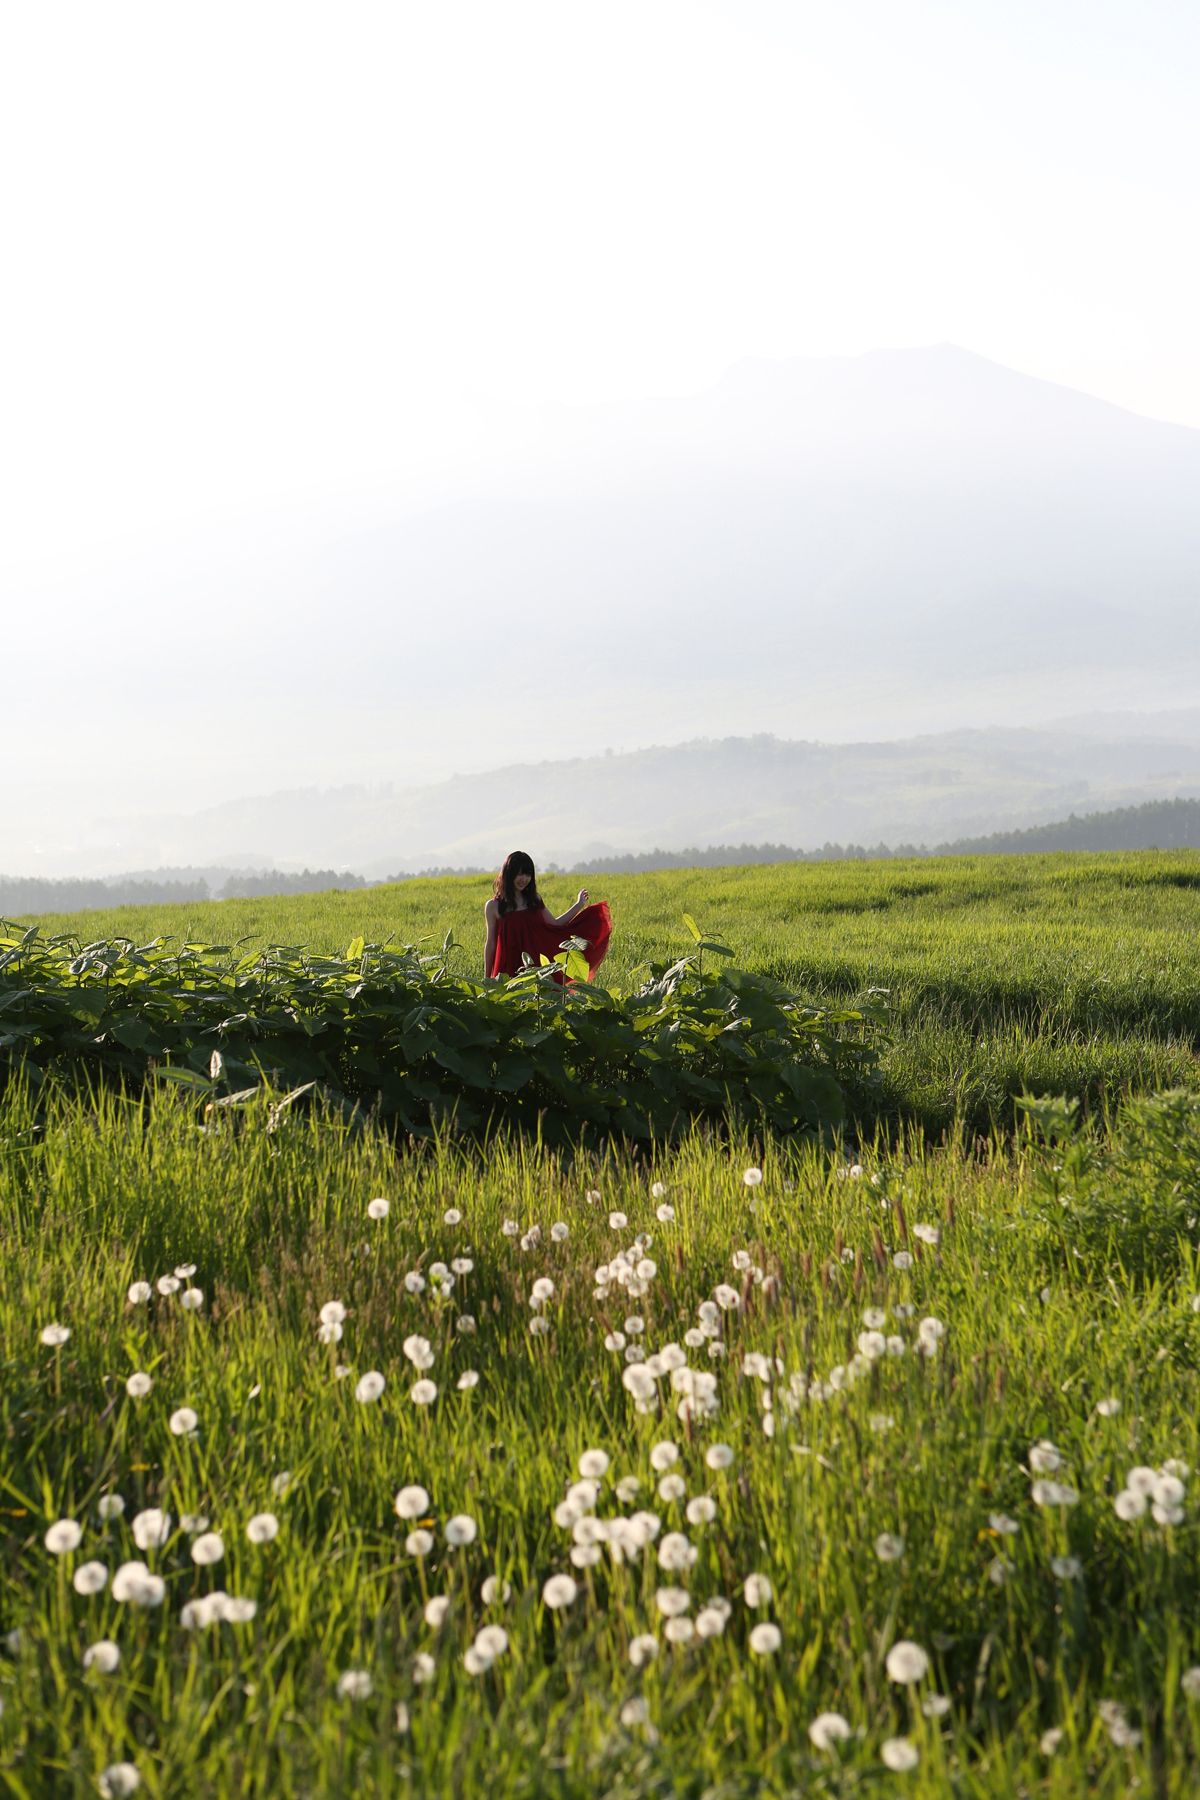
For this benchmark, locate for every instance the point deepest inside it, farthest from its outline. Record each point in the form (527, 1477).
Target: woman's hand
(582, 900)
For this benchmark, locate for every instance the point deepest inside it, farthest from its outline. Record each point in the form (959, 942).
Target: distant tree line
(39, 894)
(1156, 825)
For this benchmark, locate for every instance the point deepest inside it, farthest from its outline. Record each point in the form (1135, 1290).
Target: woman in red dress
(518, 921)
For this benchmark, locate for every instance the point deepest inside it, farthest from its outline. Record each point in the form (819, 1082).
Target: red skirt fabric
(528, 931)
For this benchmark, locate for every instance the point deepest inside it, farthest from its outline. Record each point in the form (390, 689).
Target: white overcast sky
(264, 255)
(253, 249)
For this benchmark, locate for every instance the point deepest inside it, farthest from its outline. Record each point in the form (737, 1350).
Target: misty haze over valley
(906, 544)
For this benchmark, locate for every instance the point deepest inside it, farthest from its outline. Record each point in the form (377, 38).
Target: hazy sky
(268, 257)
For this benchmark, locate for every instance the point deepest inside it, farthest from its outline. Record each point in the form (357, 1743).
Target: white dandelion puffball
(103, 1656)
(193, 1523)
(495, 1590)
(899, 1755)
(151, 1528)
(907, 1663)
(329, 1334)
(756, 1590)
(110, 1506)
(134, 1584)
(828, 1729)
(332, 1313)
(54, 1335)
(657, 1190)
(701, 1510)
(281, 1482)
(752, 1177)
(424, 1668)
(902, 1260)
(642, 1649)
(63, 1536)
(1050, 1740)
(663, 1456)
(467, 1380)
(168, 1284)
(664, 1213)
(1045, 1458)
(369, 1387)
(491, 1641)
(1066, 1568)
(672, 1601)
(593, 1464)
(436, 1609)
(119, 1780)
(726, 1297)
(412, 1501)
(889, 1547)
(560, 1231)
(618, 1221)
(355, 1684)
(185, 1270)
(1108, 1409)
(461, 1529)
(1189, 1681)
(419, 1352)
(680, 1630)
(559, 1591)
(139, 1384)
(421, 1393)
(541, 1291)
(378, 1209)
(139, 1293)
(419, 1543)
(183, 1422)
(90, 1578)
(262, 1528)
(765, 1639)
(192, 1299)
(718, 1456)
(208, 1548)
(452, 1216)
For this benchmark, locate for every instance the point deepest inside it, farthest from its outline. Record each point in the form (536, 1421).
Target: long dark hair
(504, 892)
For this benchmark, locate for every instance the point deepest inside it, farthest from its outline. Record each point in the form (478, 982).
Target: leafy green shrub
(400, 1030)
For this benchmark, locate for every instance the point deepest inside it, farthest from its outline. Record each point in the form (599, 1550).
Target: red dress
(528, 929)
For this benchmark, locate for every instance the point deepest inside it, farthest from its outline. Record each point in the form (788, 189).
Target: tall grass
(1045, 1317)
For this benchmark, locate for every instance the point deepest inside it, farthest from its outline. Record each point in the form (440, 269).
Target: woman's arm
(489, 948)
(571, 912)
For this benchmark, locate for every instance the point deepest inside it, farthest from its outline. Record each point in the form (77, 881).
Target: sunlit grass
(1040, 1323)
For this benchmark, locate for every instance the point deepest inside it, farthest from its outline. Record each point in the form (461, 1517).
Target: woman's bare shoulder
(490, 908)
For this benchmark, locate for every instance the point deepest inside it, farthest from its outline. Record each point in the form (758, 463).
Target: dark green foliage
(399, 1029)
(1126, 1206)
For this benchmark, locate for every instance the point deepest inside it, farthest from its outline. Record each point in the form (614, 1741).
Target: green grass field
(870, 1477)
(1076, 974)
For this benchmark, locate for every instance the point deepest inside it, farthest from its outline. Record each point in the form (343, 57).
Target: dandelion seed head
(369, 1387)
(907, 1663)
(829, 1729)
(63, 1536)
(90, 1578)
(54, 1335)
(262, 1528)
(119, 1780)
(103, 1656)
(151, 1528)
(899, 1754)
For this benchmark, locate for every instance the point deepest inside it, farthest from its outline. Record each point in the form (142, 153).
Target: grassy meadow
(337, 1463)
(1050, 974)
